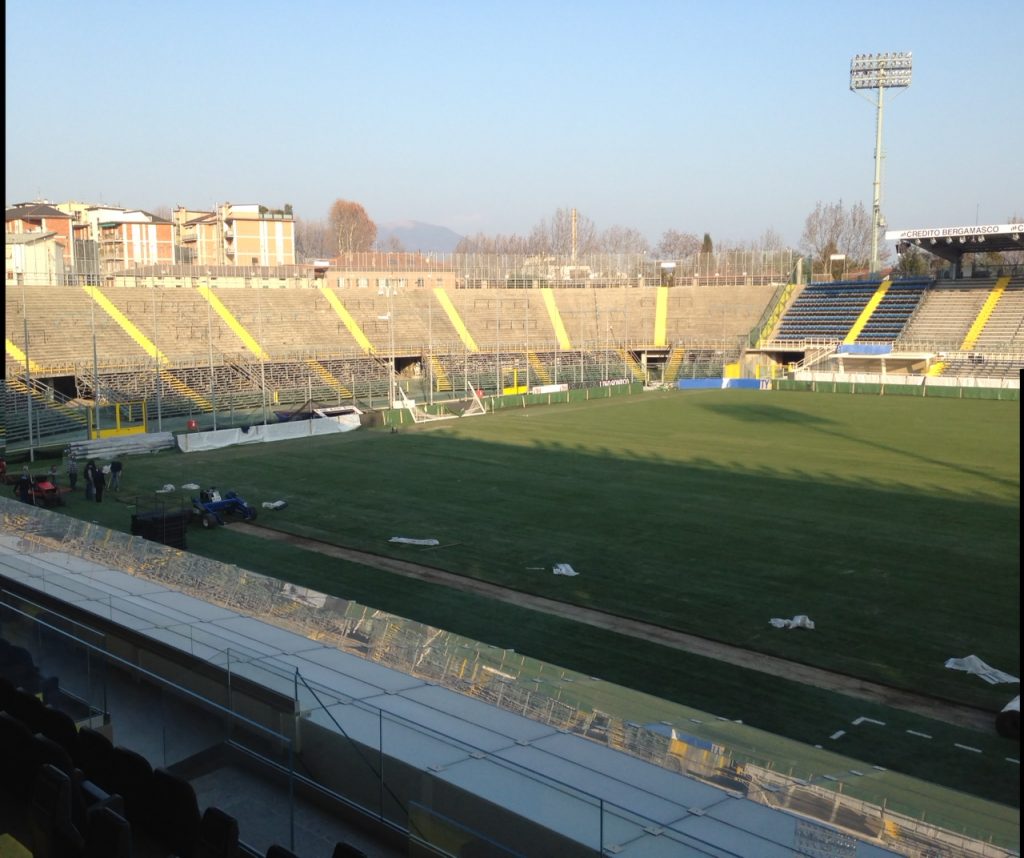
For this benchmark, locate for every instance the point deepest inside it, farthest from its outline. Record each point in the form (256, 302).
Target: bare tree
(313, 240)
(677, 245)
(857, 238)
(770, 241)
(481, 243)
(556, 237)
(351, 226)
(831, 229)
(621, 239)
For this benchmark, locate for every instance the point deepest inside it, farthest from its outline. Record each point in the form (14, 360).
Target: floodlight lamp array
(874, 71)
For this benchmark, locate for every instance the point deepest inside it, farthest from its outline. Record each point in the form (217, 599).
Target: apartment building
(40, 217)
(112, 239)
(249, 235)
(33, 259)
(131, 239)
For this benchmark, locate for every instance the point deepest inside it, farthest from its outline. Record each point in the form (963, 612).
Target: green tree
(707, 246)
(912, 262)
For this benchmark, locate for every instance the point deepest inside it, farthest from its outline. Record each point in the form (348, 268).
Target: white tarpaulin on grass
(973, 664)
(195, 442)
(800, 621)
(409, 541)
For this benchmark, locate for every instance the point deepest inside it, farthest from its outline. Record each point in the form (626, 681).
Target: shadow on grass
(897, 579)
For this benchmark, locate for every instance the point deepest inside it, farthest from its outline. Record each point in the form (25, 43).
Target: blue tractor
(210, 508)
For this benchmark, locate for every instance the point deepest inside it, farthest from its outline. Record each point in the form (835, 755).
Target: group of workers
(97, 478)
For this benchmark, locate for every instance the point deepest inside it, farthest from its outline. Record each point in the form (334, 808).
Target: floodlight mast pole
(876, 199)
(881, 72)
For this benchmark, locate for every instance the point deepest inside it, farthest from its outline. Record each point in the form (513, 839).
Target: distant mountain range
(418, 236)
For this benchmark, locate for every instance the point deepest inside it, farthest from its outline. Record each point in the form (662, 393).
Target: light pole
(28, 372)
(156, 359)
(263, 372)
(95, 368)
(879, 72)
(430, 349)
(209, 343)
(391, 342)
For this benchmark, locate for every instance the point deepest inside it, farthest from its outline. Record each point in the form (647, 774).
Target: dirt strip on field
(939, 710)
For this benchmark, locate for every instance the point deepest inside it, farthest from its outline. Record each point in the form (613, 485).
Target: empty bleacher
(831, 311)
(944, 316)
(825, 311)
(984, 366)
(1004, 329)
(889, 318)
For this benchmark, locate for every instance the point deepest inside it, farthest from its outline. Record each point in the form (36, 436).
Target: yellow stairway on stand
(148, 346)
(556, 319)
(977, 326)
(16, 384)
(237, 328)
(675, 359)
(456, 320)
(865, 314)
(328, 378)
(773, 319)
(634, 367)
(539, 370)
(19, 356)
(441, 381)
(350, 324)
(984, 314)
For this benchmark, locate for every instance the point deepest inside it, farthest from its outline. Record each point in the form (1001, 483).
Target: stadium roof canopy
(952, 243)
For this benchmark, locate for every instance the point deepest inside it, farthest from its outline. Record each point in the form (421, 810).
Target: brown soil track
(929, 707)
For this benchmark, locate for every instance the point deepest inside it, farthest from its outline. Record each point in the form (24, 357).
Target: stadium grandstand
(337, 722)
(224, 344)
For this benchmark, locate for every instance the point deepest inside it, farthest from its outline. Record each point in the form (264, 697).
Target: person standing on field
(25, 486)
(99, 482)
(90, 479)
(72, 471)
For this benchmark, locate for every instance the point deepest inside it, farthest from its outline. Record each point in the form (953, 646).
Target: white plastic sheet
(194, 442)
(564, 569)
(408, 541)
(973, 664)
(800, 621)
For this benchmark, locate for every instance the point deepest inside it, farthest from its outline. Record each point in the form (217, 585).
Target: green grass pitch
(892, 522)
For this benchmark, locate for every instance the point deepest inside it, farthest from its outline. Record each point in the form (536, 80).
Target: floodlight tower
(879, 72)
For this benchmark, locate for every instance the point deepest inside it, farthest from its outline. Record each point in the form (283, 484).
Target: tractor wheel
(250, 513)
(208, 520)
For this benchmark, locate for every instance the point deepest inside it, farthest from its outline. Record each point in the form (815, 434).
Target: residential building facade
(250, 235)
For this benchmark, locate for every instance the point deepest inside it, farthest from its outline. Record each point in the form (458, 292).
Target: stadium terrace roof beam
(952, 243)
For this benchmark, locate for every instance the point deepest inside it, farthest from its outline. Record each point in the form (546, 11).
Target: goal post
(469, 407)
(476, 403)
(418, 414)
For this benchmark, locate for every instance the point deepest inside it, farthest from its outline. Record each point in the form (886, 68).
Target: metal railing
(500, 677)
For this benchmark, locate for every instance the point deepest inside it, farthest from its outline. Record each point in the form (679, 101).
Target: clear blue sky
(722, 117)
